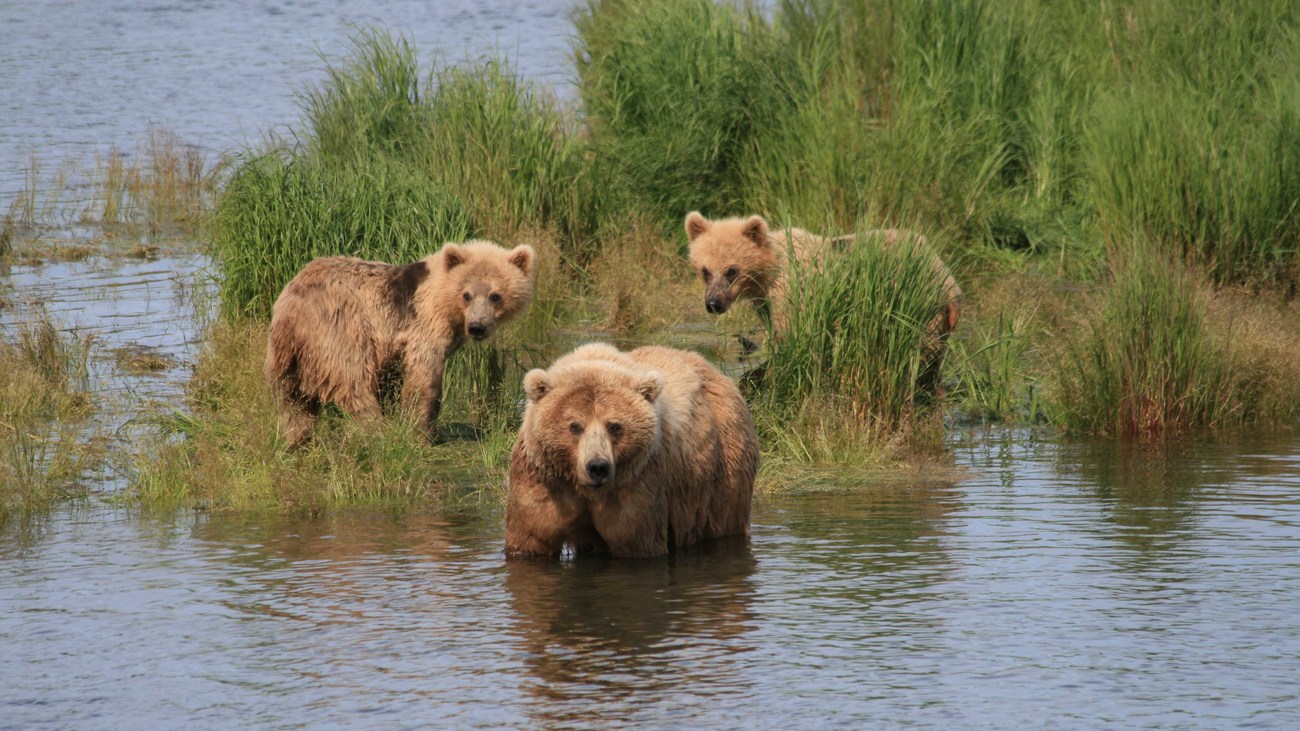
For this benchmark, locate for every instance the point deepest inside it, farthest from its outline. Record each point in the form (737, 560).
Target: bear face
(595, 423)
(486, 284)
(734, 257)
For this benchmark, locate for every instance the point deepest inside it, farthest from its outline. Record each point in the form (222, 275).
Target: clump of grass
(997, 361)
(855, 343)
(44, 403)
(8, 231)
(174, 186)
(369, 104)
(390, 169)
(619, 275)
(1145, 363)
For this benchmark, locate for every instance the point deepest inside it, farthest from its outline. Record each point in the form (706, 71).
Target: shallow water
(125, 307)
(1052, 585)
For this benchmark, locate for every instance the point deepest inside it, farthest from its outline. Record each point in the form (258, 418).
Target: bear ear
(452, 256)
(695, 225)
(537, 383)
(523, 256)
(755, 229)
(651, 386)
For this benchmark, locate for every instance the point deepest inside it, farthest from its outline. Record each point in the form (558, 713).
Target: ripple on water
(1053, 584)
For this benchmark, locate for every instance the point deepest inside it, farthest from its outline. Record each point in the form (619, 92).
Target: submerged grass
(45, 445)
(161, 191)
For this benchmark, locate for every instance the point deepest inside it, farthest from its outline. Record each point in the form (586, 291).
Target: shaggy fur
(630, 453)
(345, 328)
(738, 258)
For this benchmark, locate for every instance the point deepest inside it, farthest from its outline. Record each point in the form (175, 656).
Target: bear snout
(477, 330)
(714, 305)
(598, 470)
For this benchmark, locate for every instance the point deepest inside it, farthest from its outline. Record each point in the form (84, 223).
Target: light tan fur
(344, 326)
(739, 258)
(678, 447)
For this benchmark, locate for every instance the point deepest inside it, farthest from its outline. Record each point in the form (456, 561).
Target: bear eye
(467, 296)
(705, 273)
(731, 272)
(575, 428)
(614, 428)
(495, 297)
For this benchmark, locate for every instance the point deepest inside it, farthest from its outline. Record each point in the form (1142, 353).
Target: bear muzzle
(478, 330)
(598, 472)
(715, 305)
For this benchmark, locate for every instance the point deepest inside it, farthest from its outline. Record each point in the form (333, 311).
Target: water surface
(80, 76)
(1054, 585)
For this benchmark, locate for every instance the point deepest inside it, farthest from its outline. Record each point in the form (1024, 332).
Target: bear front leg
(422, 388)
(297, 417)
(539, 521)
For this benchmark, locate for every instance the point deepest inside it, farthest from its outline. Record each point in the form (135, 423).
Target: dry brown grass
(640, 282)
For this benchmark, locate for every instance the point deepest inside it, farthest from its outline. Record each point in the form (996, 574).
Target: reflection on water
(1058, 584)
(627, 636)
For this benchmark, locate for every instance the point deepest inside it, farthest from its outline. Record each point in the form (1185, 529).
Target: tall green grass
(855, 341)
(678, 95)
(278, 211)
(1145, 364)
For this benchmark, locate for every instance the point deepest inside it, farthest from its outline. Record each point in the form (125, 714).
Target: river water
(1037, 583)
(80, 76)
(1050, 585)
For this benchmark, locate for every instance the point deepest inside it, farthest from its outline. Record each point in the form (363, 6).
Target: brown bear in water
(343, 326)
(630, 453)
(739, 258)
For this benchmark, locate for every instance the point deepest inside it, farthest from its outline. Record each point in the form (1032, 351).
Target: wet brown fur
(758, 258)
(683, 456)
(343, 326)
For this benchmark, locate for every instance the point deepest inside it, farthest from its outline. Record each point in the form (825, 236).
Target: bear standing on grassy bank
(633, 454)
(343, 327)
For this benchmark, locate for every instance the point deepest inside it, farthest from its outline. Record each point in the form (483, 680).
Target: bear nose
(477, 329)
(598, 469)
(713, 305)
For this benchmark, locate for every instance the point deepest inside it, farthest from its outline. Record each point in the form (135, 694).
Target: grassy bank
(1114, 185)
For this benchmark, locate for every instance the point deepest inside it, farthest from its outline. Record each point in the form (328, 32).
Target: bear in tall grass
(345, 329)
(634, 454)
(739, 258)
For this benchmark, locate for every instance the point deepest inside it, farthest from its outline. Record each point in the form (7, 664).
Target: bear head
(734, 257)
(593, 420)
(487, 283)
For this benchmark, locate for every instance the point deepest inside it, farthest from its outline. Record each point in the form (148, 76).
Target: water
(1049, 585)
(126, 307)
(83, 75)
(1042, 583)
